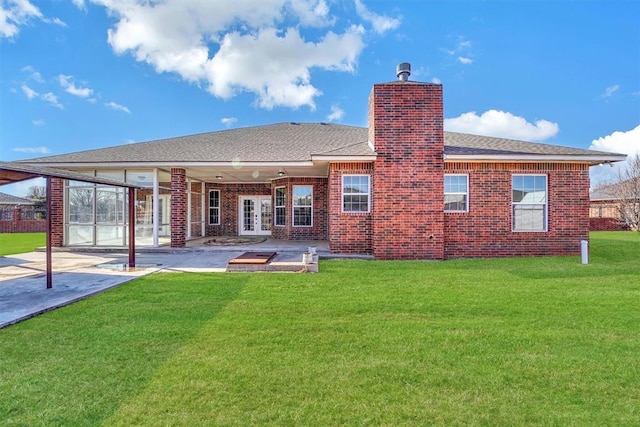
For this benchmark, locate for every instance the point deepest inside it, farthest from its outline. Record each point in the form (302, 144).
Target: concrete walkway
(78, 275)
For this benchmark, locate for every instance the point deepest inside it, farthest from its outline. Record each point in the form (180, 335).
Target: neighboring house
(19, 215)
(400, 189)
(11, 201)
(607, 203)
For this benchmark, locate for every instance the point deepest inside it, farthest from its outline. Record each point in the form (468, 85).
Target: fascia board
(592, 159)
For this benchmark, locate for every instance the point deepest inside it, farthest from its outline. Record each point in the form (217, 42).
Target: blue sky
(83, 74)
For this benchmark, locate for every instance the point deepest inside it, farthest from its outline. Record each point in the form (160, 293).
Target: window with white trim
(529, 203)
(214, 207)
(456, 193)
(356, 193)
(280, 201)
(302, 205)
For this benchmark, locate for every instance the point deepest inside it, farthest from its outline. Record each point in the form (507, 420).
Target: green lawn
(19, 243)
(530, 341)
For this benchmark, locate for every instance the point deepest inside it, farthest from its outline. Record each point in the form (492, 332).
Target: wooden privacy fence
(22, 219)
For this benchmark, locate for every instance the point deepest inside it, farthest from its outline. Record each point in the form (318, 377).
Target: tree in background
(627, 193)
(38, 195)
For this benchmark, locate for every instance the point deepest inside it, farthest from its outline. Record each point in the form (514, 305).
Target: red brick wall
(485, 231)
(229, 196)
(178, 207)
(57, 212)
(320, 212)
(408, 218)
(349, 232)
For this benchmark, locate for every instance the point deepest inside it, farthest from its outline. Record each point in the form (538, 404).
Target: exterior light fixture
(218, 177)
(281, 173)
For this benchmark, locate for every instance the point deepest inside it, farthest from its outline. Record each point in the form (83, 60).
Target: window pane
(214, 207)
(109, 205)
(280, 196)
(280, 215)
(355, 193)
(280, 202)
(111, 235)
(302, 195)
(455, 202)
(80, 235)
(302, 216)
(455, 193)
(81, 206)
(528, 217)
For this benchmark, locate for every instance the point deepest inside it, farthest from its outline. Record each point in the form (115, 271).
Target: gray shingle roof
(8, 199)
(290, 142)
(271, 143)
(462, 143)
(616, 190)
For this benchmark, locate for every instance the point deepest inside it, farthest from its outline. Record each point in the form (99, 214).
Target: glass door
(255, 215)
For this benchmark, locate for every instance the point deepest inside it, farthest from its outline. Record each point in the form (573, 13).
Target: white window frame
(294, 206)
(466, 193)
(368, 193)
(545, 204)
(210, 208)
(276, 207)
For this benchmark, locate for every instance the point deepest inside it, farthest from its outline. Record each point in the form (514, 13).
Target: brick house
(400, 189)
(609, 202)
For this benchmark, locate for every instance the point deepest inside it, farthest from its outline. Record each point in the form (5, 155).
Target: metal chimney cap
(403, 71)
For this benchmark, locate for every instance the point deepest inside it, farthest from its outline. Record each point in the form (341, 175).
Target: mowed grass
(19, 243)
(529, 341)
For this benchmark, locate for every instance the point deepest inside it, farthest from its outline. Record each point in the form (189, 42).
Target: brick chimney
(406, 129)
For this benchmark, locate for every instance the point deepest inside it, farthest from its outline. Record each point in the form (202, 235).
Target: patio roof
(11, 172)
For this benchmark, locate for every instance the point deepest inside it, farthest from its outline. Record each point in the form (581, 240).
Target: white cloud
(228, 121)
(55, 21)
(255, 46)
(33, 73)
(38, 122)
(17, 13)
(47, 97)
(284, 76)
(436, 80)
(610, 91)
(32, 150)
(461, 51)
(501, 124)
(29, 93)
(337, 114)
(117, 107)
(52, 99)
(381, 24)
(617, 142)
(69, 86)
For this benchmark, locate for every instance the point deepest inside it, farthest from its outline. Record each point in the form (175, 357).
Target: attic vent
(403, 71)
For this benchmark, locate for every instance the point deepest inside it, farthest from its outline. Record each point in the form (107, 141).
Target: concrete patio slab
(78, 275)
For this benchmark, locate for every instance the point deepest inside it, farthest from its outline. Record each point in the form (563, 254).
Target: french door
(255, 215)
